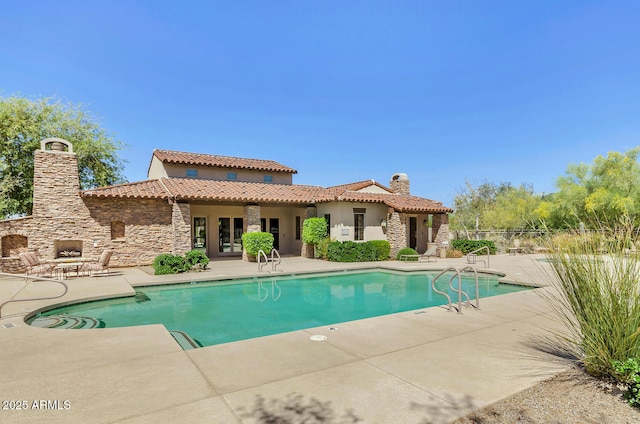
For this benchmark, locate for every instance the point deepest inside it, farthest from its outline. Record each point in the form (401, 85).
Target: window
(327, 217)
(297, 228)
(117, 230)
(267, 178)
(358, 223)
(232, 176)
(192, 173)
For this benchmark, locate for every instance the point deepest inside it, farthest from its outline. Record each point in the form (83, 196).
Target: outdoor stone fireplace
(67, 248)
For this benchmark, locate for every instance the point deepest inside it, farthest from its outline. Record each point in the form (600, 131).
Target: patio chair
(101, 264)
(431, 252)
(33, 266)
(515, 249)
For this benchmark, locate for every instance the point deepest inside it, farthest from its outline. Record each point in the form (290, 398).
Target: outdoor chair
(431, 252)
(33, 266)
(101, 265)
(515, 249)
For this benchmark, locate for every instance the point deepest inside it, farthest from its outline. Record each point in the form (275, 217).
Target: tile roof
(190, 189)
(149, 189)
(358, 186)
(194, 190)
(170, 156)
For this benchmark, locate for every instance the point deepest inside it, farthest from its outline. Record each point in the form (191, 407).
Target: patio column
(251, 223)
(441, 230)
(396, 231)
(181, 222)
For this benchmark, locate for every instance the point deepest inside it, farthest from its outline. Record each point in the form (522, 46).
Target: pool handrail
(260, 255)
(274, 262)
(473, 254)
(458, 290)
(34, 278)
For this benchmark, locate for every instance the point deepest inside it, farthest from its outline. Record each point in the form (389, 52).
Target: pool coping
(224, 380)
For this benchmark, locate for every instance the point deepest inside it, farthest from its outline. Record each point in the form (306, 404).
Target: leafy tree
(24, 123)
(514, 207)
(602, 192)
(472, 203)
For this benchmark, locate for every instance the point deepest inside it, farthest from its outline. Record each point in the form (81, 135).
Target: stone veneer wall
(59, 213)
(181, 222)
(440, 230)
(252, 223)
(396, 232)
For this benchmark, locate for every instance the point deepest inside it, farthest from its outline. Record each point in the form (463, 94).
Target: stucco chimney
(400, 183)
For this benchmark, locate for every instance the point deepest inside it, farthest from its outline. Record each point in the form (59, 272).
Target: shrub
(382, 248)
(407, 251)
(196, 259)
(597, 298)
(468, 246)
(322, 247)
(349, 251)
(167, 263)
(255, 242)
(629, 373)
(454, 253)
(314, 230)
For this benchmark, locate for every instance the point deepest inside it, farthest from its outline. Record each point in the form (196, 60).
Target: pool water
(214, 312)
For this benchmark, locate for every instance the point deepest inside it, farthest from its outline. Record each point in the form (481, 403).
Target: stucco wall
(342, 221)
(159, 170)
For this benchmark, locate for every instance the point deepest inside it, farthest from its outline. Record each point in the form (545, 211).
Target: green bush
(349, 251)
(382, 248)
(629, 374)
(167, 263)
(196, 259)
(255, 242)
(407, 251)
(468, 246)
(322, 247)
(597, 298)
(314, 230)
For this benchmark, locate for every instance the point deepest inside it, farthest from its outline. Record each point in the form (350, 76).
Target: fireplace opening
(67, 248)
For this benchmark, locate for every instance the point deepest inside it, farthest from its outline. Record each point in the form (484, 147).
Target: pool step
(67, 322)
(184, 340)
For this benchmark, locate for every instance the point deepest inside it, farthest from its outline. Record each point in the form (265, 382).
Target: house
(207, 202)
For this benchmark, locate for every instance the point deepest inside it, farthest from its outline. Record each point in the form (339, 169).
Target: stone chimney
(56, 183)
(400, 183)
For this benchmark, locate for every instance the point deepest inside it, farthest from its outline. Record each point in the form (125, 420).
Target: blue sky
(343, 91)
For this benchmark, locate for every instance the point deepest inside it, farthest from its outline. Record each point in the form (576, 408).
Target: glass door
(200, 233)
(230, 235)
(274, 228)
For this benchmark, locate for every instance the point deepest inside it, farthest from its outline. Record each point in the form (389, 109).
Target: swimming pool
(220, 312)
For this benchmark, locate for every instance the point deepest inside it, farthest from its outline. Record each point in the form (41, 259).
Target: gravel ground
(571, 397)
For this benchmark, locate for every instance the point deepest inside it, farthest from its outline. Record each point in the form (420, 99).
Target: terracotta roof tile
(190, 189)
(170, 156)
(358, 186)
(401, 202)
(149, 189)
(193, 190)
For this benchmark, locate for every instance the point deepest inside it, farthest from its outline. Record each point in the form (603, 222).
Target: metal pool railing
(461, 293)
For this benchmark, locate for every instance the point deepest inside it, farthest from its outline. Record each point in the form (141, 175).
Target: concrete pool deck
(424, 366)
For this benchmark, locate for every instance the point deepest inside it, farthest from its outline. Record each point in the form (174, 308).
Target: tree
(472, 203)
(24, 123)
(514, 208)
(602, 192)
